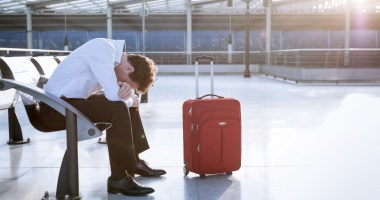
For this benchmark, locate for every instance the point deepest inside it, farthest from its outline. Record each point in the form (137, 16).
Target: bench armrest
(85, 128)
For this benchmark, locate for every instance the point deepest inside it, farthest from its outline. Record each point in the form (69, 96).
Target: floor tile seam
(26, 167)
(18, 176)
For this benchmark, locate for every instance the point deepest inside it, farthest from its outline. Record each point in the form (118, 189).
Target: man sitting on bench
(100, 65)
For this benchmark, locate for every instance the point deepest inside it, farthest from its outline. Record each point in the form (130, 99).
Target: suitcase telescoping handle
(210, 95)
(203, 58)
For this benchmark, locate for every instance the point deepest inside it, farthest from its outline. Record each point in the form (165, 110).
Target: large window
(13, 39)
(164, 41)
(202, 40)
(210, 40)
(364, 39)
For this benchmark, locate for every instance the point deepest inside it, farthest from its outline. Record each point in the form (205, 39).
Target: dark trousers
(125, 138)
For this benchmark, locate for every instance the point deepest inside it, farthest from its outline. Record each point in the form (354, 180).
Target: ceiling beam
(279, 4)
(206, 2)
(44, 4)
(368, 4)
(122, 4)
(283, 3)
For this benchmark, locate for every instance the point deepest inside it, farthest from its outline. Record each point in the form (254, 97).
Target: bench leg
(15, 132)
(66, 186)
(102, 141)
(68, 180)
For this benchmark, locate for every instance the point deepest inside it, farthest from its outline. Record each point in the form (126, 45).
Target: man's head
(138, 71)
(144, 72)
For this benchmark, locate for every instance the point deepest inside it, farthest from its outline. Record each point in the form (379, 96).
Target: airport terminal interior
(305, 72)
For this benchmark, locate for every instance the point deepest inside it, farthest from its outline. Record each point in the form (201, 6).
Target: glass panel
(301, 39)
(337, 39)
(210, 40)
(164, 41)
(128, 36)
(363, 39)
(13, 39)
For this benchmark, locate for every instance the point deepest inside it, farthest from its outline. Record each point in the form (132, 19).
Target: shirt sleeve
(101, 61)
(129, 102)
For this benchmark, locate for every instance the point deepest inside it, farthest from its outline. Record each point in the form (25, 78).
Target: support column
(268, 33)
(29, 33)
(65, 40)
(109, 21)
(229, 46)
(143, 15)
(247, 72)
(328, 39)
(347, 28)
(189, 32)
(66, 43)
(281, 41)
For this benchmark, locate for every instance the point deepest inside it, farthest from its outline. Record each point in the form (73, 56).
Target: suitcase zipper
(221, 144)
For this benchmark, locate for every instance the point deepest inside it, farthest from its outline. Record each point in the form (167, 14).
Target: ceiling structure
(180, 6)
(53, 15)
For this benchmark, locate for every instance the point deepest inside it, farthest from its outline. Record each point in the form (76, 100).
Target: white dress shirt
(88, 69)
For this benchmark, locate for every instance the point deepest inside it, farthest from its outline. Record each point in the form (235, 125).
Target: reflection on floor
(300, 142)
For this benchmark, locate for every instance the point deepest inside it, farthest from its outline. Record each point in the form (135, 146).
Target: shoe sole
(143, 175)
(117, 191)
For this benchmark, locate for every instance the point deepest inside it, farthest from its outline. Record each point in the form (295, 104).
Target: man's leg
(119, 139)
(139, 137)
(141, 144)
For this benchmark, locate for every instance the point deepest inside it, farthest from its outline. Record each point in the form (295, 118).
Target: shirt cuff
(129, 102)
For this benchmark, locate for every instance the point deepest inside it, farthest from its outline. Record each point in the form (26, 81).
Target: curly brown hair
(144, 73)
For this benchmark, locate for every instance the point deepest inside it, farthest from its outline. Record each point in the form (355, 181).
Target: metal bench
(19, 78)
(45, 64)
(10, 98)
(59, 58)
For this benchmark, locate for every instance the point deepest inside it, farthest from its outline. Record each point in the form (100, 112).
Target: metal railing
(30, 52)
(221, 57)
(323, 58)
(326, 58)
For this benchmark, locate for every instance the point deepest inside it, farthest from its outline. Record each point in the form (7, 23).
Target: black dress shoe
(144, 170)
(127, 186)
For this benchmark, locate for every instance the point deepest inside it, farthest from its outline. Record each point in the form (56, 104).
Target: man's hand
(125, 90)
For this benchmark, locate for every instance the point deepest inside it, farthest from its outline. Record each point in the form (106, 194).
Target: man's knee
(118, 108)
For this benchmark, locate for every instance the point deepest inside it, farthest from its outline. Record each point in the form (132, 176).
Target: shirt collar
(120, 47)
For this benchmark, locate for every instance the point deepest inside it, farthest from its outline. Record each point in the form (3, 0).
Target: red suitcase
(211, 132)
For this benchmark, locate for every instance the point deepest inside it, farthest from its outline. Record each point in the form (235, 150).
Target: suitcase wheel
(202, 175)
(185, 170)
(229, 173)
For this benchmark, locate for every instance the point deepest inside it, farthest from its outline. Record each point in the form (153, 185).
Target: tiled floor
(300, 142)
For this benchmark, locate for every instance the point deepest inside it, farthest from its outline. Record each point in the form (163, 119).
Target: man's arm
(102, 66)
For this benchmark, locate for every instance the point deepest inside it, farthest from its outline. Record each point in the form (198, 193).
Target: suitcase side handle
(204, 58)
(210, 95)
